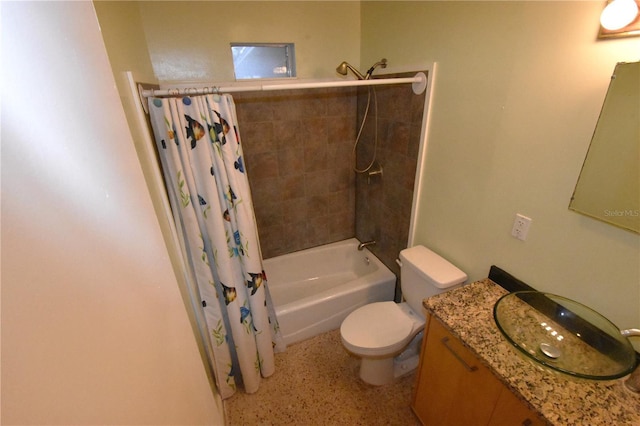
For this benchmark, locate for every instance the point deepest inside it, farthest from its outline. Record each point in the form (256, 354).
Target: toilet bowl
(377, 333)
(387, 335)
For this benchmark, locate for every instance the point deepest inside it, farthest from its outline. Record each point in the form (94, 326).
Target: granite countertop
(560, 399)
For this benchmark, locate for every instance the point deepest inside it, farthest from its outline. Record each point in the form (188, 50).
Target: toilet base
(382, 371)
(377, 372)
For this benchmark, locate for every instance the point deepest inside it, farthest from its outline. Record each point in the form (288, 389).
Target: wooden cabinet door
(510, 411)
(453, 387)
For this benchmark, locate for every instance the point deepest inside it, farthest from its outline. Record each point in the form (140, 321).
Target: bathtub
(313, 290)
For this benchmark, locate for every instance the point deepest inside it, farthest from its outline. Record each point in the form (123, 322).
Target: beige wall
(185, 47)
(126, 45)
(123, 35)
(93, 327)
(518, 91)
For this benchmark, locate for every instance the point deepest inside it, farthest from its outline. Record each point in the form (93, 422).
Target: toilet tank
(424, 273)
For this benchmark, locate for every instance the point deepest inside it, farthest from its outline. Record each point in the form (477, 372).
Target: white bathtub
(313, 290)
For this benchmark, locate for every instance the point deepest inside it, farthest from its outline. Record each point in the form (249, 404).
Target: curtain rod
(419, 83)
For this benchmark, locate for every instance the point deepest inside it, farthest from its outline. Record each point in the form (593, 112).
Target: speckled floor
(316, 383)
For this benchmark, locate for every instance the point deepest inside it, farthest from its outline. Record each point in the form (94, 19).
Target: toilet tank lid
(433, 267)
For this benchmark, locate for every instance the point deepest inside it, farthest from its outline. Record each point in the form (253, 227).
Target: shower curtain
(199, 147)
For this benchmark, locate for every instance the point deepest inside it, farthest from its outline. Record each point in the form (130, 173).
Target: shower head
(345, 66)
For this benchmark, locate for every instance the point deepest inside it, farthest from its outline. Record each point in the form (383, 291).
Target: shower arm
(344, 67)
(382, 64)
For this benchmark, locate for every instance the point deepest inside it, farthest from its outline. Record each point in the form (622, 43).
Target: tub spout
(366, 244)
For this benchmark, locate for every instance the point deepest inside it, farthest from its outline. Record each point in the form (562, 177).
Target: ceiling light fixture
(618, 14)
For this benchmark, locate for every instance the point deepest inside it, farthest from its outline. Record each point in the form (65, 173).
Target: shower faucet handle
(374, 172)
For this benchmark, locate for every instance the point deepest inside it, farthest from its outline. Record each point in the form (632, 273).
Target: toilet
(387, 335)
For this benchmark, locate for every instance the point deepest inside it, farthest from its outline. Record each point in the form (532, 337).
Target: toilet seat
(379, 329)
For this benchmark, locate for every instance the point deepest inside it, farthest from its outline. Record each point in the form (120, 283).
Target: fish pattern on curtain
(199, 146)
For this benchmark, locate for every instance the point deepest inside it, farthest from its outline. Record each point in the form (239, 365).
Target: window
(263, 60)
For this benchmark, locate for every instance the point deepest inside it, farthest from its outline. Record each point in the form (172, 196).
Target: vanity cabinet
(510, 411)
(454, 388)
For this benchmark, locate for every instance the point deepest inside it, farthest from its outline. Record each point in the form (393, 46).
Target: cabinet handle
(470, 368)
(527, 422)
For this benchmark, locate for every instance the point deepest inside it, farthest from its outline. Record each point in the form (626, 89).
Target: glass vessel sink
(564, 335)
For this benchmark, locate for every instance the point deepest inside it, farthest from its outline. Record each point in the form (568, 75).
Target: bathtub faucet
(366, 244)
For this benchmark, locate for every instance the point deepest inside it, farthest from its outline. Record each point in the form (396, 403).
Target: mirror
(608, 188)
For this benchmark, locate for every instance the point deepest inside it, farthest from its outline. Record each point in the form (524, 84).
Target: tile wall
(298, 149)
(383, 203)
(298, 152)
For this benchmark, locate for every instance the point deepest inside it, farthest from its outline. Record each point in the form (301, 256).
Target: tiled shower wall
(383, 202)
(298, 151)
(298, 148)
